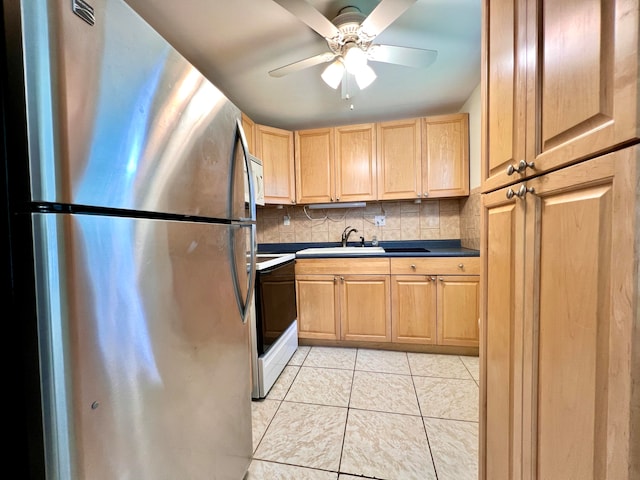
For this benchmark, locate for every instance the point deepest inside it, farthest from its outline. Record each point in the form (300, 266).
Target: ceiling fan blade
(407, 56)
(302, 64)
(384, 15)
(309, 15)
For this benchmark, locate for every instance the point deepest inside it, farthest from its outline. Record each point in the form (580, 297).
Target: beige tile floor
(354, 413)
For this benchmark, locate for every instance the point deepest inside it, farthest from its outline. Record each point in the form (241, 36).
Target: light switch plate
(379, 220)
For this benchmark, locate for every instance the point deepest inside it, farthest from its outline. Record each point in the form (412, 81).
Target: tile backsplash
(404, 220)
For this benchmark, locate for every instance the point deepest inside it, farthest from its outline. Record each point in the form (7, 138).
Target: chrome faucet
(346, 233)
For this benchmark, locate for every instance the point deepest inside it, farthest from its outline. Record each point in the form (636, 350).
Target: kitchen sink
(340, 251)
(405, 249)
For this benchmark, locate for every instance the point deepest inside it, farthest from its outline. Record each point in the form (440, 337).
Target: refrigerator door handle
(245, 304)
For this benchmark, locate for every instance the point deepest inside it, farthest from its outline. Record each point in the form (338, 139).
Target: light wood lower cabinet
(458, 310)
(380, 300)
(365, 310)
(433, 309)
(413, 309)
(318, 307)
(343, 299)
(561, 325)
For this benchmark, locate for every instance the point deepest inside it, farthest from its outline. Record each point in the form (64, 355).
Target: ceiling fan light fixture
(355, 59)
(332, 75)
(365, 77)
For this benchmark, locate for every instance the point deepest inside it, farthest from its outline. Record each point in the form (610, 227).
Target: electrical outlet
(379, 220)
(287, 220)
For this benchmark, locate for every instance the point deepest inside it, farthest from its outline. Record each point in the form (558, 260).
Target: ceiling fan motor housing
(348, 21)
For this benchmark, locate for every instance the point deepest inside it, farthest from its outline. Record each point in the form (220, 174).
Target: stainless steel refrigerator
(141, 250)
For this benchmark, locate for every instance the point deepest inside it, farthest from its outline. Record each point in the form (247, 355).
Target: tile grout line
(424, 427)
(344, 433)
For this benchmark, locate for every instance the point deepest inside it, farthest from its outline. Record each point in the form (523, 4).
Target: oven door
(275, 303)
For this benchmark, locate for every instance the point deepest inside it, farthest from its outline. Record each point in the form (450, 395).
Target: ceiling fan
(350, 38)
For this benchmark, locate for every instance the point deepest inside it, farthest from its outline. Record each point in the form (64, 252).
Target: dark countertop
(437, 248)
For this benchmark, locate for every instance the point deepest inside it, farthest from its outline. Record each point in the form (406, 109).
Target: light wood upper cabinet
(445, 153)
(399, 159)
(315, 165)
(248, 126)
(336, 164)
(274, 147)
(355, 162)
(562, 86)
(504, 75)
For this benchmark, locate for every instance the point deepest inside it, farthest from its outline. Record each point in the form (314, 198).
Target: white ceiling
(235, 43)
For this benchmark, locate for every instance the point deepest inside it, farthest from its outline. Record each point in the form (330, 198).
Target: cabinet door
(314, 153)
(579, 321)
(583, 88)
(275, 148)
(502, 251)
(399, 159)
(364, 306)
(355, 163)
(413, 309)
(458, 310)
(504, 77)
(445, 153)
(248, 126)
(318, 308)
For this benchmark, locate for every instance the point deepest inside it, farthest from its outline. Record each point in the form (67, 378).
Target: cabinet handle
(523, 190)
(337, 199)
(441, 279)
(433, 279)
(425, 194)
(510, 193)
(342, 279)
(520, 167)
(413, 266)
(461, 266)
(335, 279)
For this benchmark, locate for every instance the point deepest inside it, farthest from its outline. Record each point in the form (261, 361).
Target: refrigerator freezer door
(145, 357)
(119, 119)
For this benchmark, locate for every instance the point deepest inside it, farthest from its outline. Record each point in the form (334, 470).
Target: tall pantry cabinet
(560, 329)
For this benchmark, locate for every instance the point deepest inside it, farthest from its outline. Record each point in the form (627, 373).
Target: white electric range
(274, 326)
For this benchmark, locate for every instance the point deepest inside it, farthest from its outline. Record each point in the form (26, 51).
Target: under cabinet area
(395, 301)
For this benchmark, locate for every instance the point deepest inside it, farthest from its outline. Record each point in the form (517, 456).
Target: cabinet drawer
(435, 265)
(337, 266)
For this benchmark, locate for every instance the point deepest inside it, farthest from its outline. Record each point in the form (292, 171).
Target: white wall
(473, 107)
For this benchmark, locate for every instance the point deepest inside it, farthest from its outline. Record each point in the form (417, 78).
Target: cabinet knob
(413, 266)
(520, 167)
(337, 199)
(441, 279)
(342, 279)
(425, 194)
(461, 266)
(510, 193)
(433, 279)
(523, 190)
